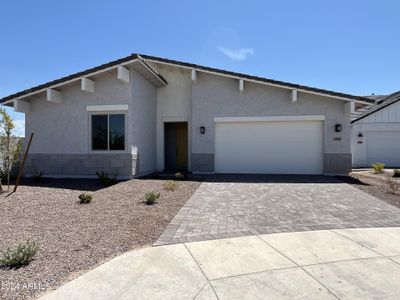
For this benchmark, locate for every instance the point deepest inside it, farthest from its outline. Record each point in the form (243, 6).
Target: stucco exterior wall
(217, 96)
(173, 105)
(64, 127)
(144, 101)
(63, 130)
(61, 145)
(387, 119)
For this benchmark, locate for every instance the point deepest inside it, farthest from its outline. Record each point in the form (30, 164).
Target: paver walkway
(327, 264)
(229, 206)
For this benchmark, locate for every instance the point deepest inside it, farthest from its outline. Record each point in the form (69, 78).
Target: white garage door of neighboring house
(271, 147)
(383, 146)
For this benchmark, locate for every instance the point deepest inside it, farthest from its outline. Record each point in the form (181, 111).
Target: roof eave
(159, 79)
(285, 85)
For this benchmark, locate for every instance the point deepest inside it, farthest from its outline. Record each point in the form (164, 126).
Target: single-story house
(141, 114)
(376, 133)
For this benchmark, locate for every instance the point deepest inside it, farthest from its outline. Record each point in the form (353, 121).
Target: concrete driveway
(327, 264)
(231, 206)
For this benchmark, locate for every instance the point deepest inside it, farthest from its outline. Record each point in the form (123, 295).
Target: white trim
(106, 108)
(259, 81)
(21, 106)
(123, 74)
(174, 119)
(53, 95)
(108, 151)
(241, 85)
(193, 75)
(352, 107)
(294, 96)
(87, 85)
(270, 119)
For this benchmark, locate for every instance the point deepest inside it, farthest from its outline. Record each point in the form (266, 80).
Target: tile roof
(256, 78)
(143, 58)
(82, 74)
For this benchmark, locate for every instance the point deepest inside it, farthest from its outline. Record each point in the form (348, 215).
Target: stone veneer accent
(337, 163)
(334, 163)
(203, 162)
(85, 165)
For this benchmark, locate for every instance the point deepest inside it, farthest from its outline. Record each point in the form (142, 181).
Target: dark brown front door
(176, 145)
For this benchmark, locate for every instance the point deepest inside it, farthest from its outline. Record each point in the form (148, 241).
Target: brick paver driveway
(231, 206)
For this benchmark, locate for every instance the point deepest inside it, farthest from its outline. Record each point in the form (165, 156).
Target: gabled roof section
(385, 102)
(145, 66)
(259, 79)
(142, 66)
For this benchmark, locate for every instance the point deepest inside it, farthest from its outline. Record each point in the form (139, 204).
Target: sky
(349, 46)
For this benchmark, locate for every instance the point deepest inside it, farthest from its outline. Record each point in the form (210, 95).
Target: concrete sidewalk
(326, 264)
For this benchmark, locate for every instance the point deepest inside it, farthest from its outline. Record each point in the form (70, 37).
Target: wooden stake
(21, 165)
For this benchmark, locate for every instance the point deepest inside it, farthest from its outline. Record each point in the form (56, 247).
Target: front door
(176, 146)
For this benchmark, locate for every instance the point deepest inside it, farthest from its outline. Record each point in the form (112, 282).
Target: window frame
(107, 113)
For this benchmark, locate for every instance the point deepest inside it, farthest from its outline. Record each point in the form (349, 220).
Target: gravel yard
(375, 188)
(76, 237)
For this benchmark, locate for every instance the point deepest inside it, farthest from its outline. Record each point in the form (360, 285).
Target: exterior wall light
(202, 130)
(338, 128)
(360, 135)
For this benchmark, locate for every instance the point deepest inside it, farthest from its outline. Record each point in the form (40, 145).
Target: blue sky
(350, 46)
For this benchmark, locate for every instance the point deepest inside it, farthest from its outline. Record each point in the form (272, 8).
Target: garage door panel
(269, 147)
(384, 146)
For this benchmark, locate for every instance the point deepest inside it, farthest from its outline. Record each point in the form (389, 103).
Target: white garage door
(383, 146)
(284, 147)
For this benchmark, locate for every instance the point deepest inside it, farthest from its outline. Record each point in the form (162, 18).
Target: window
(108, 132)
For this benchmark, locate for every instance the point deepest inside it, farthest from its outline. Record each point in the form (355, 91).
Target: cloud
(237, 54)
(19, 129)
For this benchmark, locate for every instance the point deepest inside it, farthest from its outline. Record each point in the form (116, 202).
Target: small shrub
(151, 198)
(392, 185)
(170, 186)
(378, 167)
(105, 179)
(85, 198)
(20, 255)
(396, 173)
(179, 176)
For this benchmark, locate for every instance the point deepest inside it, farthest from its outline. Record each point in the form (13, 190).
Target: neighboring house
(376, 133)
(142, 114)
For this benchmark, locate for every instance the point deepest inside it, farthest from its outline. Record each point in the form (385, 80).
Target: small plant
(378, 167)
(170, 186)
(179, 176)
(151, 198)
(37, 176)
(105, 179)
(392, 185)
(20, 255)
(396, 173)
(85, 198)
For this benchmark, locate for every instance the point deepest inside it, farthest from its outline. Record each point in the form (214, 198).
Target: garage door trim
(273, 119)
(270, 118)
